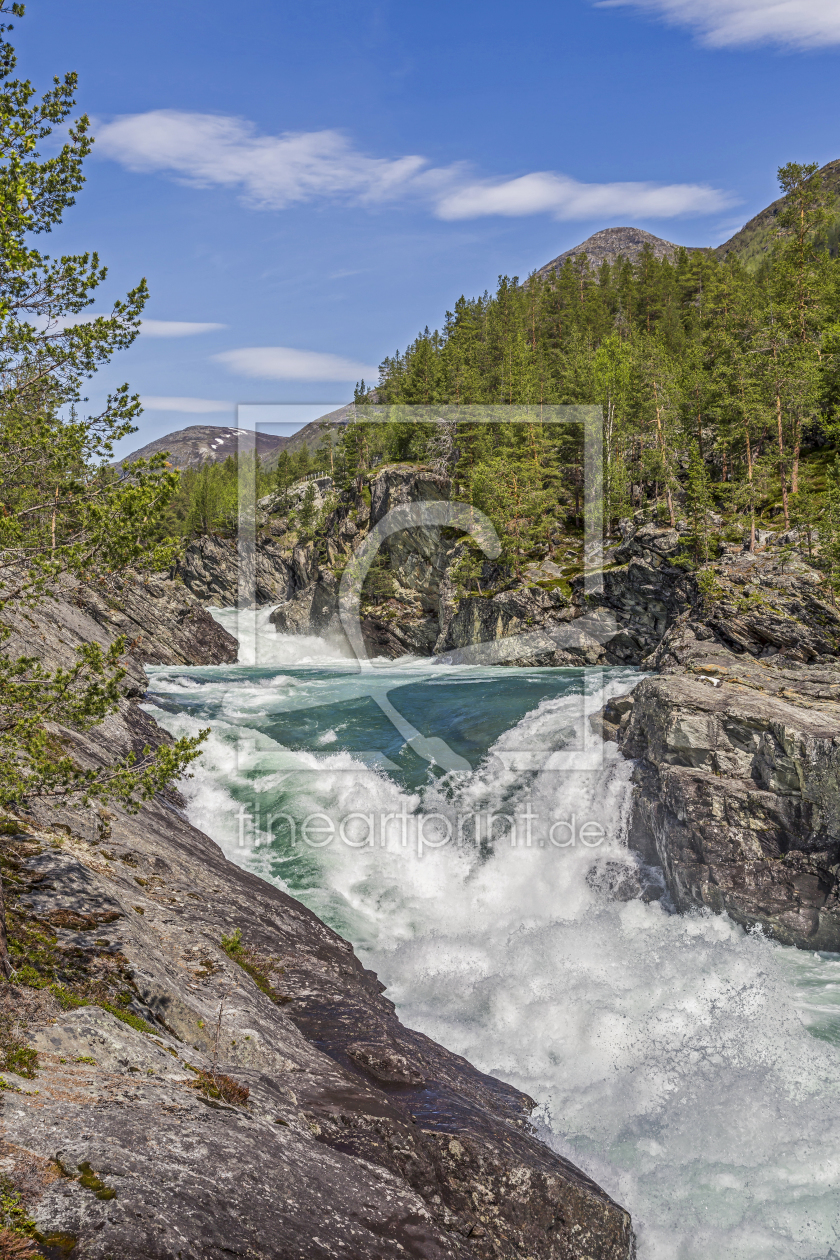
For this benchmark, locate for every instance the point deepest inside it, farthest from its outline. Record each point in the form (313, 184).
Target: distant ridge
(203, 444)
(212, 444)
(612, 244)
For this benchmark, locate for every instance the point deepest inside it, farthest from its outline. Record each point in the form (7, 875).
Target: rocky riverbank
(196, 1067)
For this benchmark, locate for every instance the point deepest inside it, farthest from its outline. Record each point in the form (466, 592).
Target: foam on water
(258, 640)
(690, 1067)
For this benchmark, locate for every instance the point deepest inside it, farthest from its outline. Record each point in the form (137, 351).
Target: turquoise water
(693, 1069)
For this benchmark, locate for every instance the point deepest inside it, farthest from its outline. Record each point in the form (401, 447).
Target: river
(690, 1067)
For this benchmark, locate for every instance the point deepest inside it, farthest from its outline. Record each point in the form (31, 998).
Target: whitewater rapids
(690, 1067)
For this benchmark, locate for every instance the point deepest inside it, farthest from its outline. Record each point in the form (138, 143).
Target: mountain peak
(203, 444)
(612, 244)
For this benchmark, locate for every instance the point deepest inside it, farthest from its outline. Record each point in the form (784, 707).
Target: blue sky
(324, 179)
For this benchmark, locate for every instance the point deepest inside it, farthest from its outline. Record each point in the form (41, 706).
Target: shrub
(218, 1087)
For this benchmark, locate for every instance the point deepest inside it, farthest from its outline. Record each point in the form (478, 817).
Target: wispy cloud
(175, 328)
(733, 23)
(281, 363)
(148, 327)
(294, 168)
(195, 406)
(565, 198)
(272, 171)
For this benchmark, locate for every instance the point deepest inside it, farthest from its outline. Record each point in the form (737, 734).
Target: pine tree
(307, 513)
(65, 510)
(699, 499)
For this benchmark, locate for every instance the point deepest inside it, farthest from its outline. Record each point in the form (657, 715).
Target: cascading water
(692, 1068)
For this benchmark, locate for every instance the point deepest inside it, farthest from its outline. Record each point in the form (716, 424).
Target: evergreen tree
(307, 512)
(65, 510)
(699, 499)
(284, 472)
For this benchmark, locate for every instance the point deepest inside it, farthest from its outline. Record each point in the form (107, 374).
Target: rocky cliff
(517, 619)
(195, 1067)
(737, 742)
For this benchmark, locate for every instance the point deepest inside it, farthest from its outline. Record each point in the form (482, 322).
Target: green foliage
(379, 584)
(232, 945)
(699, 500)
(207, 499)
(830, 526)
(717, 384)
(134, 1021)
(21, 1059)
(33, 761)
(256, 965)
(709, 588)
(63, 509)
(90, 1181)
(17, 1229)
(307, 513)
(67, 1000)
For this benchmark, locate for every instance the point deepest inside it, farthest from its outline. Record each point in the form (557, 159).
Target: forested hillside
(720, 386)
(756, 238)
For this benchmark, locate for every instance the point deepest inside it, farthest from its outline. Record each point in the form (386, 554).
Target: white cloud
(195, 406)
(148, 327)
(175, 328)
(281, 363)
(733, 23)
(565, 198)
(274, 172)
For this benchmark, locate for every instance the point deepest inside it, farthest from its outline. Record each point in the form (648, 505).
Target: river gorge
(689, 1066)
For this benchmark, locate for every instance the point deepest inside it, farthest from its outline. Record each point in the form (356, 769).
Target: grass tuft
(257, 966)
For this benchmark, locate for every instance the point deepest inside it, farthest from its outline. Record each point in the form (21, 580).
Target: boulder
(311, 610)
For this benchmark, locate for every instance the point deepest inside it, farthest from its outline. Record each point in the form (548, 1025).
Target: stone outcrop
(737, 737)
(279, 502)
(163, 623)
(524, 626)
(210, 570)
(762, 602)
(644, 600)
(525, 620)
(738, 745)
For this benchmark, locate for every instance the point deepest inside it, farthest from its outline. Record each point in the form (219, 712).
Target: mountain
(612, 244)
(750, 243)
(210, 444)
(203, 444)
(756, 237)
